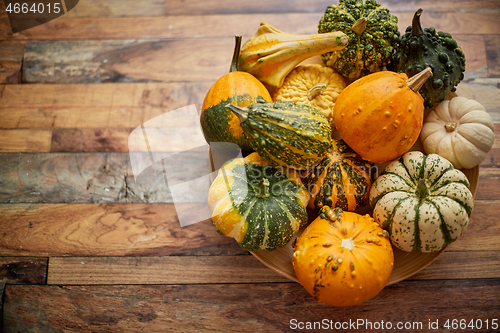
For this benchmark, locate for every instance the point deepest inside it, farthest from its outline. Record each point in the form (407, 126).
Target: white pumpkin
(459, 130)
(422, 201)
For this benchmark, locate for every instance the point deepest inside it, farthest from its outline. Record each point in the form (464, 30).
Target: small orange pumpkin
(343, 258)
(380, 115)
(218, 123)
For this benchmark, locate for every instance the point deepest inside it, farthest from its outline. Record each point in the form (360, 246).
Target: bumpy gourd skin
(368, 51)
(421, 48)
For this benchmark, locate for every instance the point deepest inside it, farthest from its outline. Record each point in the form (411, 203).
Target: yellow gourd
(271, 54)
(312, 84)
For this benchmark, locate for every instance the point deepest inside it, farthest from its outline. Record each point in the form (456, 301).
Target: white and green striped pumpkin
(260, 205)
(422, 201)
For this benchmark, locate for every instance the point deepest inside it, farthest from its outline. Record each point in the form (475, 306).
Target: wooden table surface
(85, 247)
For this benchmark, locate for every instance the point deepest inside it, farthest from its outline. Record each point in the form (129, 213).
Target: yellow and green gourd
(288, 134)
(342, 179)
(259, 205)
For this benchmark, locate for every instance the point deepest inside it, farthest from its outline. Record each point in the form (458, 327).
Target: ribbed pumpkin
(380, 115)
(422, 201)
(312, 84)
(343, 258)
(289, 134)
(240, 88)
(342, 179)
(259, 205)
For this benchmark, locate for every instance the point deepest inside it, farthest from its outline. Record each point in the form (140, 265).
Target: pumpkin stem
(417, 81)
(360, 26)
(315, 91)
(422, 190)
(236, 54)
(451, 126)
(416, 27)
(262, 191)
(241, 113)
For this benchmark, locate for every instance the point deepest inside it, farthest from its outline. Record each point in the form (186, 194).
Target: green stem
(236, 54)
(422, 190)
(416, 27)
(241, 113)
(263, 189)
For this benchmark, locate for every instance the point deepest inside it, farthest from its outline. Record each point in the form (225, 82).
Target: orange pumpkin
(380, 115)
(343, 258)
(239, 88)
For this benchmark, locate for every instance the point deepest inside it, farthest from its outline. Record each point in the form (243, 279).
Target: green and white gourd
(422, 201)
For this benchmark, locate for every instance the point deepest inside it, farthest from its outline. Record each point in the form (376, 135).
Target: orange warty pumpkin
(380, 115)
(343, 258)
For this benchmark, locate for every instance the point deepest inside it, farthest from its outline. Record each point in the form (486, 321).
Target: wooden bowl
(406, 264)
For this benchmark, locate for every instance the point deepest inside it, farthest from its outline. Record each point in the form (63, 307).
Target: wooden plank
(87, 105)
(24, 270)
(492, 43)
(483, 230)
(462, 265)
(190, 7)
(488, 185)
(154, 230)
(11, 59)
(245, 24)
(127, 60)
(25, 140)
(109, 177)
(238, 307)
(47, 230)
(159, 270)
(232, 269)
(484, 90)
(95, 178)
(112, 8)
(94, 61)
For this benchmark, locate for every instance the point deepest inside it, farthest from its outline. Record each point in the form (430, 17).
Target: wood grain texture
(158, 270)
(482, 230)
(105, 105)
(153, 230)
(127, 60)
(109, 177)
(25, 140)
(144, 60)
(245, 24)
(95, 178)
(11, 59)
(462, 265)
(233, 269)
(492, 43)
(23, 270)
(47, 230)
(234, 307)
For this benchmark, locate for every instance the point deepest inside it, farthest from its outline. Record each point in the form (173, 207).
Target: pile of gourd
(371, 94)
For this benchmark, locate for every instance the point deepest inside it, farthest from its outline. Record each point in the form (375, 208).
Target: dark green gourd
(421, 48)
(286, 133)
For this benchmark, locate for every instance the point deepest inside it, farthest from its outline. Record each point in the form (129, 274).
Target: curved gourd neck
(416, 27)
(241, 113)
(236, 54)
